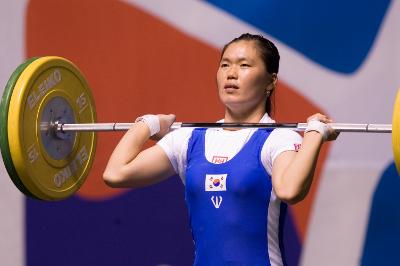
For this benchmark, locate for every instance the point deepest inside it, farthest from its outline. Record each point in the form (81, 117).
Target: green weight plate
(4, 144)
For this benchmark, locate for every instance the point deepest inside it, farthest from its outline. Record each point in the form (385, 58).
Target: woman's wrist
(151, 121)
(318, 126)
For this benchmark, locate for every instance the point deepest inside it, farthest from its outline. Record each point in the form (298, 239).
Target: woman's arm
(292, 172)
(130, 167)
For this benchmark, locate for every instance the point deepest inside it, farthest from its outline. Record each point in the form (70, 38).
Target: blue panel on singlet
(336, 34)
(228, 204)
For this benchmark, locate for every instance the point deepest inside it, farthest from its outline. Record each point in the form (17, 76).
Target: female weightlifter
(237, 182)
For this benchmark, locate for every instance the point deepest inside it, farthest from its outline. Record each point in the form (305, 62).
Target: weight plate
(396, 132)
(4, 145)
(51, 165)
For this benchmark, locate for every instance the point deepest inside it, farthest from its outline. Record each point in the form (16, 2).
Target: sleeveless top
(234, 214)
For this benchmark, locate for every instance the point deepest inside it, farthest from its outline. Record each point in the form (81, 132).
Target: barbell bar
(340, 127)
(48, 125)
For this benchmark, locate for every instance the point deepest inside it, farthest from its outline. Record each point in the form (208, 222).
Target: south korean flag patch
(216, 182)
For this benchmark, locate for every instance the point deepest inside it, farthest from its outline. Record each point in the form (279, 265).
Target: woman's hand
(165, 124)
(328, 132)
(158, 125)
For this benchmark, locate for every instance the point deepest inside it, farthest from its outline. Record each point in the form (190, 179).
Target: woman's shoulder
(281, 138)
(285, 133)
(179, 134)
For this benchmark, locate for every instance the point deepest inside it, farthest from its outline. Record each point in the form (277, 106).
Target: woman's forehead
(241, 50)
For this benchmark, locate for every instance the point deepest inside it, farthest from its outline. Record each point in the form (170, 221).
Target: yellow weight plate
(52, 165)
(396, 132)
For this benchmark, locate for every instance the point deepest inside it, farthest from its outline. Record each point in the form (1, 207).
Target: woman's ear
(271, 86)
(274, 79)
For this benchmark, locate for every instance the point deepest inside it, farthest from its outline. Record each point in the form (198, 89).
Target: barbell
(48, 125)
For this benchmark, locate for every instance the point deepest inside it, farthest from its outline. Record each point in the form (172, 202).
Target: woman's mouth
(231, 87)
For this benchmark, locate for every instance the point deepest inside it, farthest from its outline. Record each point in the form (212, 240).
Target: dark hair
(269, 55)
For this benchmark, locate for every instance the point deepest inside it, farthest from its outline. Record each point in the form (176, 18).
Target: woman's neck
(252, 116)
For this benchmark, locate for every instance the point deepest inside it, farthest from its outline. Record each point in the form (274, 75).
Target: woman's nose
(232, 73)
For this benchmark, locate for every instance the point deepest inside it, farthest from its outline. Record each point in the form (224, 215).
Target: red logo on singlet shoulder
(297, 146)
(219, 159)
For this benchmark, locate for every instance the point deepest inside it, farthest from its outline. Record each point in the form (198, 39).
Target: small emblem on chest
(219, 159)
(217, 200)
(215, 182)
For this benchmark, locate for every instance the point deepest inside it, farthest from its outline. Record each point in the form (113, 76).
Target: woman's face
(242, 78)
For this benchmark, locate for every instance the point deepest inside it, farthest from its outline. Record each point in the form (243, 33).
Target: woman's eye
(224, 65)
(245, 65)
